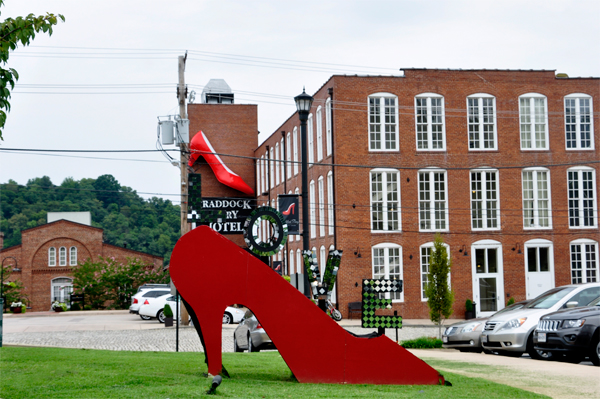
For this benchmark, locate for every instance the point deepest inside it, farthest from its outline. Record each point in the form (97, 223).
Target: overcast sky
(106, 74)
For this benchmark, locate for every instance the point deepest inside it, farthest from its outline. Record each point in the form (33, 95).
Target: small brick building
(502, 163)
(48, 253)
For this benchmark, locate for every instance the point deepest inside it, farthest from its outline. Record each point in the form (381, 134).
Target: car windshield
(595, 302)
(549, 298)
(514, 306)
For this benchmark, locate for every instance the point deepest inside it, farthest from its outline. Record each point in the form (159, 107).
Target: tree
(439, 296)
(12, 32)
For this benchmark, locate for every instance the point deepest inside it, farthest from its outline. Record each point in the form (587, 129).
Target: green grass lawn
(79, 373)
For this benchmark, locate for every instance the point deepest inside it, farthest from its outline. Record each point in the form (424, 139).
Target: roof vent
(562, 75)
(217, 91)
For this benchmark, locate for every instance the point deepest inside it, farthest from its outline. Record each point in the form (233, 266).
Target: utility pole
(181, 96)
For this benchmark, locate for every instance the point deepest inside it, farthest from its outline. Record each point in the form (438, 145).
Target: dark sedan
(572, 332)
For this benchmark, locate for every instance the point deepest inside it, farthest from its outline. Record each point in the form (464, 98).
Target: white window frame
(578, 97)
(276, 164)
(538, 212)
(62, 256)
(487, 214)
(319, 121)
(478, 127)
(582, 198)
(258, 188)
(322, 260)
(387, 246)
(288, 154)
(262, 175)
(321, 206)
(330, 221)
(282, 159)
(381, 142)
(385, 202)
(424, 266)
(272, 167)
(292, 269)
(299, 262)
(529, 119)
(295, 135)
(328, 137)
(291, 236)
(52, 256)
(589, 261)
(431, 201)
(297, 192)
(73, 256)
(428, 143)
(312, 207)
(311, 139)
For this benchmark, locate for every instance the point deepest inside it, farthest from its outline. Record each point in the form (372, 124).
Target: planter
(168, 322)
(469, 314)
(16, 309)
(58, 310)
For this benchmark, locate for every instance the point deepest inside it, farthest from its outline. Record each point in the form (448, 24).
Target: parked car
(147, 291)
(466, 335)
(251, 336)
(573, 332)
(511, 333)
(153, 307)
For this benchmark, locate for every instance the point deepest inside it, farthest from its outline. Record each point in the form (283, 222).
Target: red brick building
(48, 253)
(503, 163)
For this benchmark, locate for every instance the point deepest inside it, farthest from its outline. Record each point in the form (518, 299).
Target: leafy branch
(12, 32)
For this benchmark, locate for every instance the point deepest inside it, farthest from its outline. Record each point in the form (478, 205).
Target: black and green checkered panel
(331, 269)
(195, 214)
(373, 298)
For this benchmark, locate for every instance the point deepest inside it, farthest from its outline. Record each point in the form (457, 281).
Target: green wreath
(278, 238)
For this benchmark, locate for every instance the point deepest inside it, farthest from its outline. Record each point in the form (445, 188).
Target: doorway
(539, 267)
(488, 281)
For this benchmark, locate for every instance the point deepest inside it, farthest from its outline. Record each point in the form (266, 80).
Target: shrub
(469, 305)
(422, 343)
(75, 306)
(287, 278)
(511, 300)
(167, 311)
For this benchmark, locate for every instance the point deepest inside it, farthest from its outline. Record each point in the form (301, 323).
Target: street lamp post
(303, 105)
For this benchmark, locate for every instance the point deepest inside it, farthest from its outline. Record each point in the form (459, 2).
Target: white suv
(511, 333)
(147, 291)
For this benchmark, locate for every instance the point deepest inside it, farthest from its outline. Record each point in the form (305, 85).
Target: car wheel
(251, 347)
(145, 317)
(236, 348)
(595, 352)
(227, 318)
(537, 354)
(160, 316)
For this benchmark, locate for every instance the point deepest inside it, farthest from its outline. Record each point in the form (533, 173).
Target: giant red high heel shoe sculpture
(211, 272)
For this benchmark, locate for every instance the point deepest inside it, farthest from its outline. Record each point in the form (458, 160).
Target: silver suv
(511, 333)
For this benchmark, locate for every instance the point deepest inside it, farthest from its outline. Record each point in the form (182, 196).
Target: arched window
(583, 208)
(73, 256)
(425, 250)
(311, 139)
(579, 123)
(328, 124)
(276, 161)
(537, 202)
(322, 260)
(330, 221)
(481, 117)
(387, 264)
(433, 200)
(533, 115)
(383, 122)
(51, 256)
(584, 261)
(319, 121)
(485, 212)
(299, 261)
(62, 256)
(429, 117)
(295, 137)
(292, 270)
(385, 200)
(312, 209)
(288, 155)
(321, 207)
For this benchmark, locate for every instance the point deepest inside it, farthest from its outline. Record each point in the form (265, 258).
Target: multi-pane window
(295, 150)
(288, 149)
(282, 159)
(482, 122)
(429, 116)
(62, 256)
(426, 250)
(271, 169)
(538, 258)
(291, 261)
(276, 163)
(73, 256)
(297, 192)
(433, 200)
(258, 177)
(533, 115)
(319, 134)
(383, 122)
(387, 264)
(385, 200)
(311, 139)
(484, 199)
(51, 256)
(537, 211)
(583, 210)
(312, 209)
(330, 202)
(328, 137)
(263, 186)
(584, 261)
(579, 122)
(321, 207)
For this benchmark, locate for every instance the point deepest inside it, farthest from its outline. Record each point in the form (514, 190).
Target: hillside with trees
(151, 226)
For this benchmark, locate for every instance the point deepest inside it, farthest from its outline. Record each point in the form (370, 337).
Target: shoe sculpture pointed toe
(211, 273)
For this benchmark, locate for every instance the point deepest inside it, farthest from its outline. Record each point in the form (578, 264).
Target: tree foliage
(111, 283)
(151, 226)
(439, 296)
(12, 32)
(12, 291)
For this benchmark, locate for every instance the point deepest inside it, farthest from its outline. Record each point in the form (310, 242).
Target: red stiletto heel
(211, 272)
